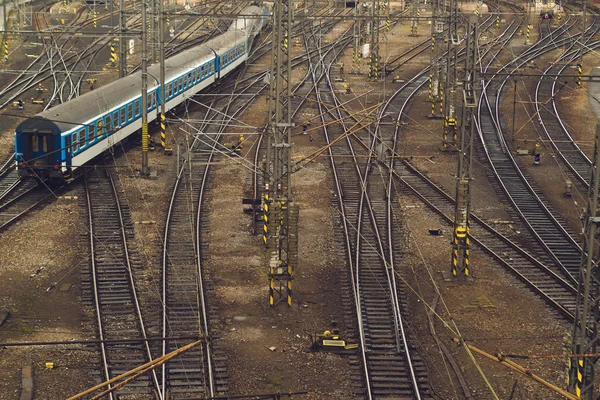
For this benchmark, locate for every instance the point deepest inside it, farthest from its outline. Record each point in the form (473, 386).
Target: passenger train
(56, 142)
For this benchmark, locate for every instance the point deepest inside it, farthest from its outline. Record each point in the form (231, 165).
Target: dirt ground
(493, 312)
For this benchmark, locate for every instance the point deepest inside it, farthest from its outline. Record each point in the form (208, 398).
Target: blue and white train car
(55, 143)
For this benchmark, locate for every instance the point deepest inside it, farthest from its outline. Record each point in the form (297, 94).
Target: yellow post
(163, 130)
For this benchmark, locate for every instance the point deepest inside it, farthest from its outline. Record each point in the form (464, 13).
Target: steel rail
(519, 191)
(117, 305)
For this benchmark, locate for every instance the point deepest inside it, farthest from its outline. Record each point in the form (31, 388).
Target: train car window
(181, 84)
(82, 138)
(115, 120)
(68, 143)
(168, 91)
(108, 126)
(185, 81)
(98, 131)
(123, 119)
(45, 144)
(130, 111)
(153, 99)
(75, 141)
(35, 143)
(137, 108)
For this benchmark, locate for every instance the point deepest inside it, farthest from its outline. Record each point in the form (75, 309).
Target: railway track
(109, 286)
(185, 311)
(538, 273)
(553, 127)
(386, 363)
(548, 228)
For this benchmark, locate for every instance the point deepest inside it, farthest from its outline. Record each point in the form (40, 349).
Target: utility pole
(415, 20)
(357, 37)
(5, 28)
(461, 234)
(436, 92)
(122, 40)
(374, 42)
(581, 46)
(583, 378)
(145, 136)
(281, 216)
(450, 126)
(163, 106)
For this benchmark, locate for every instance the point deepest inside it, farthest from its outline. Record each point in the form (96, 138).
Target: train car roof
(84, 109)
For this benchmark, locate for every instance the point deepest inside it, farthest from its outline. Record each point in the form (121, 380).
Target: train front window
(35, 143)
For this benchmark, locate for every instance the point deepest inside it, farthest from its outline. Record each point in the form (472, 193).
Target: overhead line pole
(163, 107)
(374, 41)
(461, 234)
(145, 136)
(583, 376)
(122, 40)
(281, 216)
(450, 124)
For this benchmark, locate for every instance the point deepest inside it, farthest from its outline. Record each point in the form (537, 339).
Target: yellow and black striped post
(466, 251)
(558, 14)
(95, 19)
(579, 71)
(579, 378)
(445, 133)
(265, 235)
(5, 50)
(168, 20)
(441, 100)
(271, 285)
(528, 32)
(113, 54)
(163, 130)
(64, 4)
(497, 21)
(455, 256)
(290, 272)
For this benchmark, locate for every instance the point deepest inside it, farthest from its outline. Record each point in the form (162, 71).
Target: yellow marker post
(163, 130)
(113, 53)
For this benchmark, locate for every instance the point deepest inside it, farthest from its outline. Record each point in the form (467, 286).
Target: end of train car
(547, 14)
(38, 149)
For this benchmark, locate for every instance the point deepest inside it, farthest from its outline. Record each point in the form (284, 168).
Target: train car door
(38, 149)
